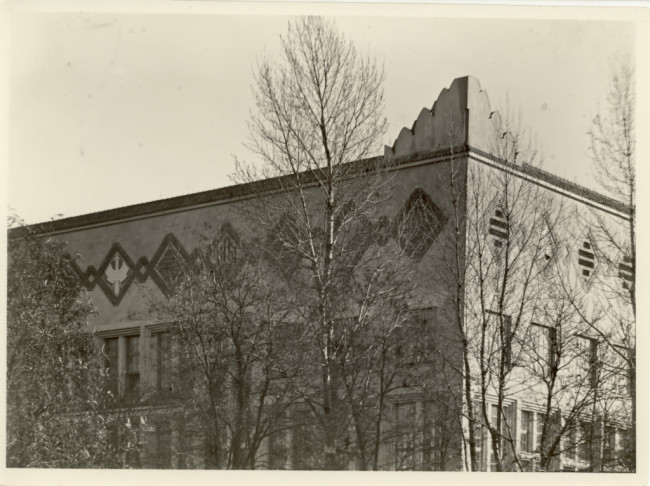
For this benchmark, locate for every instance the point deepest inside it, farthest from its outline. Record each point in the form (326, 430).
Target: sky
(108, 109)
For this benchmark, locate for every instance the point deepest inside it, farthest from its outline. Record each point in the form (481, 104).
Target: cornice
(245, 191)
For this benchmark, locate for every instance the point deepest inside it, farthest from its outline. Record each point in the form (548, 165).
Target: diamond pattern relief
(169, 263)
(170, 267)
(418, 224)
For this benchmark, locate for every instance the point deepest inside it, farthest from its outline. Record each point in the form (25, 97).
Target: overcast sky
(111, 109)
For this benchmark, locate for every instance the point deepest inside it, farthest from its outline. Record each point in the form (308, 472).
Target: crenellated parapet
(461, 115)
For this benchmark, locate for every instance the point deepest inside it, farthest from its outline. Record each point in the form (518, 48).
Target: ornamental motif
(169, 263)
(419, 224)
(117, 271)
(584, 257)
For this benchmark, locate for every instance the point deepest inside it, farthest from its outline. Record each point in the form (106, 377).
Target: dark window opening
(132, 375)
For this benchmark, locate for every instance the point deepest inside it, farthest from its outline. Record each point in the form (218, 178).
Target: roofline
(246, 190)
(561, 185)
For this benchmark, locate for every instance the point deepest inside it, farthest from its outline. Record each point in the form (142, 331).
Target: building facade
(519, 289)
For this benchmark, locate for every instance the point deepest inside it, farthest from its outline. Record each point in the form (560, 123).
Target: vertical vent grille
(626, 272)
(498, 228)
(586, 259)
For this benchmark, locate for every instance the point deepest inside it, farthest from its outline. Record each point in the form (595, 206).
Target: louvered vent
(498, 228)
(626, 272)
(586, 259)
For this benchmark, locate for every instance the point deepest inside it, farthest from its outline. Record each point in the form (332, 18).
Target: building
(472, 216)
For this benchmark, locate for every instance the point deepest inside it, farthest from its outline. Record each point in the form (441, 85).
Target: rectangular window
(406, 436)
(622, 371)
(494, 415)
(609, 446)
(544, 342)
(588, 360)
(164, 362)
(527, 431)
(541, 418)
(584, 445)
(303, 449)
(112, 363)
(479, 432)
(277, 450)
(132, 374)
(505, 322)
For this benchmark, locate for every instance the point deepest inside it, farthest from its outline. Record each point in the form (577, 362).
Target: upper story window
(112, 363)
(502, 325)
(164, 361)
(132, 372)
(527, 428)
(622, 371)
(543, 346)
(122, 359)
(588, 360)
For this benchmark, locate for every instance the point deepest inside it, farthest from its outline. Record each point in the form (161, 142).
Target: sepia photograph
(322, 237)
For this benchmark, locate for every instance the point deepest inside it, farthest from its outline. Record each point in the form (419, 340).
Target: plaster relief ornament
(116, 273)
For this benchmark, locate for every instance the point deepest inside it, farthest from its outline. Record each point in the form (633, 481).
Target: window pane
(540, 428)
(111, 352)
(164, 362)
(132, 378)
(132, 354)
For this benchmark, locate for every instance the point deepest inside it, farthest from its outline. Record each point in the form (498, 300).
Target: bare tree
(613, 151)
(58, 400)
(503, 260)
(233, 341)
(318, 115)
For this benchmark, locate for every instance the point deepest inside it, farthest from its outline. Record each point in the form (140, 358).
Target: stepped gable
(461, 115)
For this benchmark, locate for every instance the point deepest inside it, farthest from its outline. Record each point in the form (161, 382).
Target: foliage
(55, 386)
(318, 114)
(235, 351)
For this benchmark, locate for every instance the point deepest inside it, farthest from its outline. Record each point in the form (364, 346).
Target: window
(132, 375)
(406, 436)
(494, 416)
(527, 431)
(303, 449)
(622, 372)
(505, 321)
(609, 446)
(278, 452)
(498, 228)
(508, 419)
(584, 445)
(571, 444)
(544, 346)
(122, 358)
(419, 441)
(588, 351)
(413, 339)
(479, 434)
(112, 353)
(541, 418)
(164, 366)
